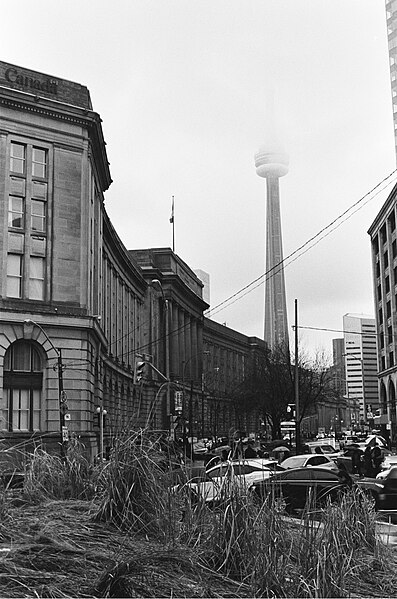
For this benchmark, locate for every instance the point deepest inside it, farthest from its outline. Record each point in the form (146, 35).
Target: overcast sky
(181, 86)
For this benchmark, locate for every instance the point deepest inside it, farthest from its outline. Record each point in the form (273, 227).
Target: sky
(182, 89)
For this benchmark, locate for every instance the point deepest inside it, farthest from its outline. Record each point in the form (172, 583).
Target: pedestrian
(356, 461)
(377, 459)
(249, 451)
(344, 476)
(368, 461)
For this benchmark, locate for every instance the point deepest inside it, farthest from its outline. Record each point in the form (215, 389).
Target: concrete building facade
(383, 235)
(77, 309)
(361, 369)
(391, 23)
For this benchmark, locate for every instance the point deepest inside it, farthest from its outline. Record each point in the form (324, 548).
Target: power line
(362, 333)
(292, 257)
(317, 238)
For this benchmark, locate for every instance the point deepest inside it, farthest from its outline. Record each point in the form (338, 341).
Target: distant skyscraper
(271, 163)
(391, 19)
(361, 367)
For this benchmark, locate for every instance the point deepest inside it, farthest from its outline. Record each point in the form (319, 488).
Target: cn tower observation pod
(270, 163)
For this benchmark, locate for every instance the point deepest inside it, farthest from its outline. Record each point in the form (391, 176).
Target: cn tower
(272, 163)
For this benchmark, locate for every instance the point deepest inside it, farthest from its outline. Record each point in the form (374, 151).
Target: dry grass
(136, 537)
(56, 550)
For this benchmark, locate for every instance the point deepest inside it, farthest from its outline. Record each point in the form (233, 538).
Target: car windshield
(327, 448)
(294, 462)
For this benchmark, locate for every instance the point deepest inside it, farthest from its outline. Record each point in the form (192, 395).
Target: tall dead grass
(257, 545)
(48, 476)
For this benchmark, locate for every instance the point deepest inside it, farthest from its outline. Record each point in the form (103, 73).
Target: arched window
(23, 380)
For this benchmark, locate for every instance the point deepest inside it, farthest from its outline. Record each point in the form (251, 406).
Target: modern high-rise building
(361, 368)
(271, 163)
(391, 19)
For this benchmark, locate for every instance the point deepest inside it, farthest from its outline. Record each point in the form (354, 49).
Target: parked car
(297, 486)
(382, 490)
(305, 460)
(214, 484)
(389, 461)
(348, 440)
(320, 447)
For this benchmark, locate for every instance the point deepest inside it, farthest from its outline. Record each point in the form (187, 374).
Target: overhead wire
(292, 257)
(365, 199)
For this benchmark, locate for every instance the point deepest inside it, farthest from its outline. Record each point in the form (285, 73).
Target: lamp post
(63, 406)
(158, 284)
(101, 416)
(185, 363)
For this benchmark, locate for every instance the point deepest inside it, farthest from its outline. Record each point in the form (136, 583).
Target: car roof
(304, 456)
(259, 462)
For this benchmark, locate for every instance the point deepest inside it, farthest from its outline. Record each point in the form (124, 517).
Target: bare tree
(269, 386)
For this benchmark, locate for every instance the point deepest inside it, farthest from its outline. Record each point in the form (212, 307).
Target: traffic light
(138, 369)
(291, 410)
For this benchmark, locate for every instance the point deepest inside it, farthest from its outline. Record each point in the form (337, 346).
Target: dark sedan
(383, 490)
(299, 487)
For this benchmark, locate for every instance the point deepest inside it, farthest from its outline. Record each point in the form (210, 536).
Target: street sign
(178, 400)
(65, 434)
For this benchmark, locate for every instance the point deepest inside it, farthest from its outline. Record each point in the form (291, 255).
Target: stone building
(78, 311)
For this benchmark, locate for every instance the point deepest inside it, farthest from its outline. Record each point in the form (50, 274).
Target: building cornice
(83, 117)
(382, 214)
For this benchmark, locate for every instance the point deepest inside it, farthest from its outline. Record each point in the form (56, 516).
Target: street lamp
(101, 416)
(63, 406)
(185, 363)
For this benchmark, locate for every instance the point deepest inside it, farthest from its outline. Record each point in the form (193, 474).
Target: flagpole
(172, 220)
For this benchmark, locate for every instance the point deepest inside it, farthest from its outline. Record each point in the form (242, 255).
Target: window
(388, 309)
(15, 212)
(39, 163)
(17, 158)
(38, 215)
(14, 275)
(390, 334)
(386, 259)
(392, 217)
(27, 221)
(36, 278)
(383, 234)
(22, 385)
(387, 284)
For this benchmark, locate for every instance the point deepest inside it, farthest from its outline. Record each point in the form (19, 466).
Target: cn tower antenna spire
(271, 163)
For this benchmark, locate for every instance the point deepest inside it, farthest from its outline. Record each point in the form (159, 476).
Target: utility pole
(297, 415)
